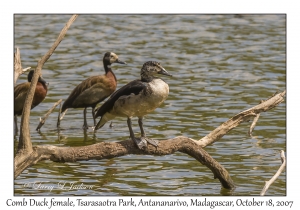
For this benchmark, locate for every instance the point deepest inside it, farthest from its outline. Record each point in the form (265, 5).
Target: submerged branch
(282, 167)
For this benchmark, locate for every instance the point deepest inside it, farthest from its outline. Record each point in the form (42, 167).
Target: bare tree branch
(43, 120)
(110, 150)
(25, 145)
(282, 167)
(244, 116)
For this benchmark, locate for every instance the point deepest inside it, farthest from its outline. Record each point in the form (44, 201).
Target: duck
(94, 89)
(137, 99)
(20, 93)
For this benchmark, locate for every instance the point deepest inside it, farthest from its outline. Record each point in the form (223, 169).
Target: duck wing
(133, 87)
(81, 94)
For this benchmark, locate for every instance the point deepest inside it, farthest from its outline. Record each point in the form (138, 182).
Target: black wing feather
(135, 87)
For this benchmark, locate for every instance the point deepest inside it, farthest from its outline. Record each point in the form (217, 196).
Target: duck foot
(142, 142)
(85, 127)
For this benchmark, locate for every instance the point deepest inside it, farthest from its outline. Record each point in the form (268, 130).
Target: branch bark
(282, 167)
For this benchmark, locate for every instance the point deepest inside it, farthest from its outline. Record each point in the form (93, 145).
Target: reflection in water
(222, 64)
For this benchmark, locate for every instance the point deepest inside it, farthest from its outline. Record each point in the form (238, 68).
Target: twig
(63, 114)
(253, 124)
(256, 119)
(43, 120)
(60, 117)
(268, 183)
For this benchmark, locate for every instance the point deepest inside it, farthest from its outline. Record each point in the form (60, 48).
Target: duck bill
(121, 62)
(164, 72)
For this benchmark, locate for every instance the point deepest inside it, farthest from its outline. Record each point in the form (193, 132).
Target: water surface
(222, 65)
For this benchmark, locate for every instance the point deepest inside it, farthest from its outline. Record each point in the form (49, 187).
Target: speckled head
(110, 58)
(151, 68)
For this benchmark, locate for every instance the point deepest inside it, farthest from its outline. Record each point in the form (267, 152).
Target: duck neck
(109, 73)
(146, 77)
(107, 68)
(43, 84)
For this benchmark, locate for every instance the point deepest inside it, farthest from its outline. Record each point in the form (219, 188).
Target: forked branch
(243, 116)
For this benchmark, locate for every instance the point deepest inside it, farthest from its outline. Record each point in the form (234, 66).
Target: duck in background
(136, 99)
(94, 89)
(20, 93)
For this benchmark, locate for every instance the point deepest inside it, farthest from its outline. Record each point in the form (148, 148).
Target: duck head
(152, 68)
(110, 58)
(41, 80)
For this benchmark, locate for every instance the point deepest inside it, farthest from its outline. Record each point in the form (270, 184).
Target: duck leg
(85, 126)
(138, 141)
(143, 135)
(93, 112)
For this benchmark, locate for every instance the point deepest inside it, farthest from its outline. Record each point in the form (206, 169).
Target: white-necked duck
(20, 92)
(94, 89)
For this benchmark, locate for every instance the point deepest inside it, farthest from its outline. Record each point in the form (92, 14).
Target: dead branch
(282, 167)
(43, 120)
(60, 117)
(253, 124)
(255, 121)
(25, 145)
(243, 116)
(110, 150)
(18, 65)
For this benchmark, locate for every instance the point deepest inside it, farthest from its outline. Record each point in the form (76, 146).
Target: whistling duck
(136, 99)
(20, 92)
(94, 89)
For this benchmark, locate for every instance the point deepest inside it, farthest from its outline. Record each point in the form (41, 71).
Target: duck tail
(100, 124)
(105, 118)
(64, 107)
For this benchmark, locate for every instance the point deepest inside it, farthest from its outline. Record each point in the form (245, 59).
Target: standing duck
(20, 92)
(94, 89)
(136, 99)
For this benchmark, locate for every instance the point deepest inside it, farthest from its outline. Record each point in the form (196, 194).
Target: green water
(222, 64)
